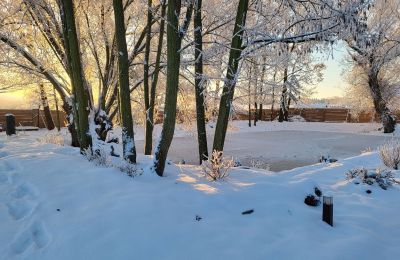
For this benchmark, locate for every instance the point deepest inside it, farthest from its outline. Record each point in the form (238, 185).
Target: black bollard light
(327, 210)
(10, 124)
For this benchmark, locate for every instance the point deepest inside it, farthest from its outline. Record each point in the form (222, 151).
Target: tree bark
(282, 108)
(173, 63)
(128, 141)
(57, 110)
(199, 83)
(46, 109)
(230, 79)
(380, 105)
(255, 113)
(157, 68)
(81, 99)
(148, 125)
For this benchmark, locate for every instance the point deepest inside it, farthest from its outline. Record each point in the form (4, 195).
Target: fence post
(10, 124)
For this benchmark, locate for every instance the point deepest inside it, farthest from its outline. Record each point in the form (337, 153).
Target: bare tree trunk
(174, 39)
(282, 109)
(81, 93)
(249, 106)
(128, 141)
(199, 83)
(230, 79)
(46, 108)
(57, 110)
(380, 105)
(255, 113)
(150, 119)
(286, 115)
(146, 66)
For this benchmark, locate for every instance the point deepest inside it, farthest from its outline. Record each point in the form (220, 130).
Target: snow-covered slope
(54, 204)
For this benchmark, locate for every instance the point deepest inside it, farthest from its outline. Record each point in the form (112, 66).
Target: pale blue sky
(334, 82)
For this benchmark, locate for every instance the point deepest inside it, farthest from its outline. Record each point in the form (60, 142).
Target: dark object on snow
(113, 153)
(237, 163)
(317, 191)
(182, 162)
(327, 159)
(368, 191)
(327, 210)
(113, 140)
(198, 218)
(1, 128)
(248, 212)
(311, 200)
(58, 209)
(10, 124)
(356, 183)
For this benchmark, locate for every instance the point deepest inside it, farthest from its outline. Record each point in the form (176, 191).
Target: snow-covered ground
(54, 204)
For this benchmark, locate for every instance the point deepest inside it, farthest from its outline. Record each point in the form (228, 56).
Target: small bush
(260, 164)
(52, 138)
(216, 168)
(99, 157)
(390, 153)
(382, 178)
(130, 169)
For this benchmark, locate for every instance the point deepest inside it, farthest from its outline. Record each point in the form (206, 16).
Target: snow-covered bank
(56, 205)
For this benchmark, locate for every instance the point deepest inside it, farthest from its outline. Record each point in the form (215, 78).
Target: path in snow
(21, 201)
(282, 150)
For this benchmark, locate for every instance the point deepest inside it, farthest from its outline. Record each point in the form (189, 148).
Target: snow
(282, 146)
(54, 204)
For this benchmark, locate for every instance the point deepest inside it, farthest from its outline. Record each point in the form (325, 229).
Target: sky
(332, 85)
(334, 82)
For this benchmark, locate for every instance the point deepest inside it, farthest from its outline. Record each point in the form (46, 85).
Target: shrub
(383, 178)
(260, 164)
(130, 169)
(390, 153)
(99, 157)
(52, 138)
(216, 168)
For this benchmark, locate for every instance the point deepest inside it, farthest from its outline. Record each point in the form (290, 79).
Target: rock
(317, 191)
(311, 200)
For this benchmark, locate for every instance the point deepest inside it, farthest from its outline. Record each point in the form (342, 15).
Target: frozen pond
(281, 150)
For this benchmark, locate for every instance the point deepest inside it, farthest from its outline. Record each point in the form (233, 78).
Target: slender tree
(46, 108)
(146, 65)
(231, 75)
(199, 82)
(81, 101)
(128, 142)
(174, 40)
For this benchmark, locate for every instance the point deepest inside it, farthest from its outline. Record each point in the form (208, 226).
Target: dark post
(10, 124)
(327, 210)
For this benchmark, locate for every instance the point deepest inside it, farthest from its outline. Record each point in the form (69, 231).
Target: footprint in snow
(36, 234)
(19, 209)
(25, 190)
(3, 154)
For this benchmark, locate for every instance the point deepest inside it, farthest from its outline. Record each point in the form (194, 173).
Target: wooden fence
(34, 117)
(31, 118)
(319, 115)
